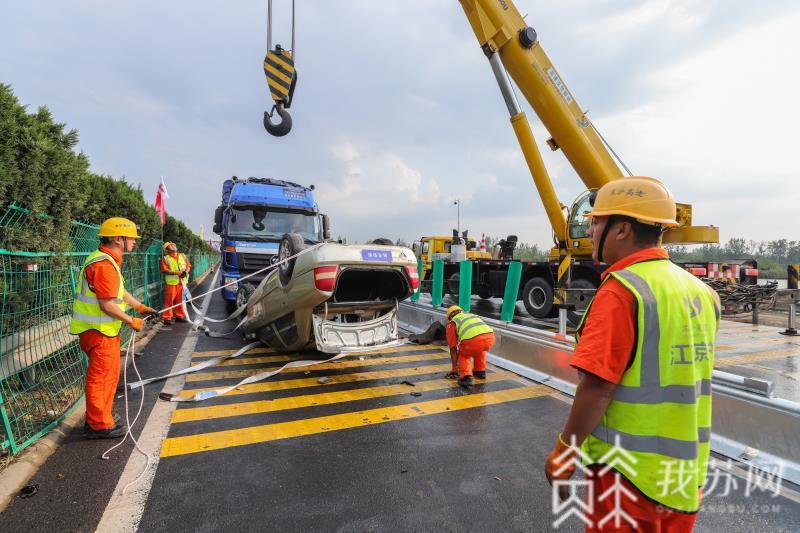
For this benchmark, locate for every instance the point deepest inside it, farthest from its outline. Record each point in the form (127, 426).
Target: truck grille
(251, 262)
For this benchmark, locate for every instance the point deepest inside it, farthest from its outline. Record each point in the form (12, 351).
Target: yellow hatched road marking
(285, 430)
(208, 376)
(287, 384)
(325, 398)
(250, 361)
(217, 353)
(757, 343)
(405, 348)
(753, 357)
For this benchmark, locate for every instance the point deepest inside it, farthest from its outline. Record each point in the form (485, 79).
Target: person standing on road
(469, 338)
(98, 313)
(645, 352)
(175, 268)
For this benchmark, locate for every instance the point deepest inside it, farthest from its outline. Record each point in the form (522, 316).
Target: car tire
(243, 294)
(537, 296)
(382, 241)
(291, 244)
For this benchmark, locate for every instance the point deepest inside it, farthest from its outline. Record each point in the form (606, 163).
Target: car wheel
(291, 244)
(382, 241)
(537, 296)
(243, 294)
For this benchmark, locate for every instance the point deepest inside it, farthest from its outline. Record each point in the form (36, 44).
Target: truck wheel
(574, 317)
(291, 244)
(484, 291)
(452, 284)
(243, 294)
(537, 296)
(382, 241)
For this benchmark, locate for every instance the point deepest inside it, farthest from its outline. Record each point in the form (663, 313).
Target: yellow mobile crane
(513, 49)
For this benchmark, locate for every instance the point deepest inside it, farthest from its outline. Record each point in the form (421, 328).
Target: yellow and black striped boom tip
(279, 69)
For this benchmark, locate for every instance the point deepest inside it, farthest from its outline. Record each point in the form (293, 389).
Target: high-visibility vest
(176, 265)
(660, 414)
(469, 326)
(86, 312)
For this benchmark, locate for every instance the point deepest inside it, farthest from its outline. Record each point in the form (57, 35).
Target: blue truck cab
(254, 215)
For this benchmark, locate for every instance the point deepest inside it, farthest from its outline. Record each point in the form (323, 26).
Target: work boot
(451, 375)
(181, 319)
(480, 374)
(465, 382)
(115, 416)
(169, 321)
(114, 432)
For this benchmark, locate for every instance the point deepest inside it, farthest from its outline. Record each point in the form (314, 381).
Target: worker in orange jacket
(469, 338)
(98, 313)
(175, 267)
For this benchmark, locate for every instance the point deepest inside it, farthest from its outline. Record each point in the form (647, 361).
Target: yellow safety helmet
(118, 227)
(644, 199)
(452, 311)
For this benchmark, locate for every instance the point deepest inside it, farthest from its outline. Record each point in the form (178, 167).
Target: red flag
(161, 204)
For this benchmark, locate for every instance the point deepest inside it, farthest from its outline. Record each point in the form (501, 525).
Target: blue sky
(396, 111)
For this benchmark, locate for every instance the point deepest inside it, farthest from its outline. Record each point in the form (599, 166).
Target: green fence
(42, 368)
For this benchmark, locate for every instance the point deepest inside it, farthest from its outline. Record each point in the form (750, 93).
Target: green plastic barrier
(415, 296)
(511, 292)
(438, 283)
(465, 285)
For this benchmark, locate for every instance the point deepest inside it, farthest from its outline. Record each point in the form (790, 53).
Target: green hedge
(41, 172)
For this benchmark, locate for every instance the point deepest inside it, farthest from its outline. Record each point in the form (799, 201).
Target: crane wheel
(537, 297)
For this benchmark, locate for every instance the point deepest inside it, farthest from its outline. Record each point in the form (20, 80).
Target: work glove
(145, 310)
(136, 323)
(560, 464)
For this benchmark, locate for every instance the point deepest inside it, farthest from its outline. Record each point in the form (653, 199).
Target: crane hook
(278, 129)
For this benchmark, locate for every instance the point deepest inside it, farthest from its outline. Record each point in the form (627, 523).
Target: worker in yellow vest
(645, 352)
(469, 338)
(98, 313)
(175, 267)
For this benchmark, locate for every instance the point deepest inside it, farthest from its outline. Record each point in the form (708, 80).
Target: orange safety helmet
(645, 199)
(118, 227)
(452, 311)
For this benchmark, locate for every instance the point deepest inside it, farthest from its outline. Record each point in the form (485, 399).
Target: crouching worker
(175, 268)
(469, 339)
(98, 313)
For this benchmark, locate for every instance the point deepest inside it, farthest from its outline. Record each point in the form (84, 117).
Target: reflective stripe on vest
(661, 411)
(469, 326)
(86, 312)
(176, 265)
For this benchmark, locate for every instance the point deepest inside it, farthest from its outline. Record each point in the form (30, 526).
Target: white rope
(130, 352)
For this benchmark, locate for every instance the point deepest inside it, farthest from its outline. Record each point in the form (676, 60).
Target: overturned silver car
(334, 297)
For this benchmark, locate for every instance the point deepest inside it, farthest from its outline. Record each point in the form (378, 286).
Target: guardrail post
(465, 285)
(791, 330)
(437, 279)
(146, 280)
(792, 271)
(415, 296)
(511, 291)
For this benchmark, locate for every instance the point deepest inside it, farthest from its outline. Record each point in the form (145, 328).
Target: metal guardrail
(749, 424)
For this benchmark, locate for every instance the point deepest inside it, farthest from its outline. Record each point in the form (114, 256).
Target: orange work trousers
(649, 516)
(474, 348)
(173, 295)
(102, 377)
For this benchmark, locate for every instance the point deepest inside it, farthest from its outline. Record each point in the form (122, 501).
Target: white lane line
(124, 512)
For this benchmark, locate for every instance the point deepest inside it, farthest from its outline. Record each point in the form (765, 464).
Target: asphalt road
(386, 444)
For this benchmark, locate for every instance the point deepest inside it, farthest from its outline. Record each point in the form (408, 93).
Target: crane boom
(512, 47)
